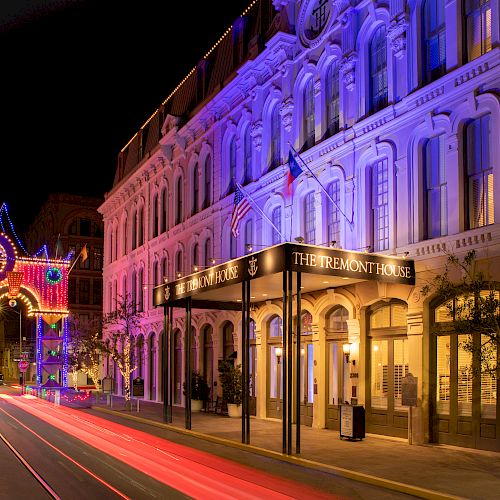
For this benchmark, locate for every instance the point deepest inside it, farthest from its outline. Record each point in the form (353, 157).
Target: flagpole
(350, 222)
(240, 187)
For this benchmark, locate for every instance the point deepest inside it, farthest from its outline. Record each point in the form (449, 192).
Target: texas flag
(294, 171)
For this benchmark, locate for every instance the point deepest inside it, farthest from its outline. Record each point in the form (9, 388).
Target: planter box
(234, 411)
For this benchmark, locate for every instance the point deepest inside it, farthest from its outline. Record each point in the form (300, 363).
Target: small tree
(230, 380)
(85, 349)
(473, 304)
(123, 326)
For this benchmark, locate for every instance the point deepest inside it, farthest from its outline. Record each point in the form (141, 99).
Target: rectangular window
(310, 219)
(72, 290)
(97, 259)
(488, 378)
(97, 292)
(400, 370)
(464, 377)
(479, 173)
(333, 385)
(84, 291)
(435, 209)
(334, 212)
(379, 374)
(478, 19)
(380, 205)
(443, 375)
(333, 100)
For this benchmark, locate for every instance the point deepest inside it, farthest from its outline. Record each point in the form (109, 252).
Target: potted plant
(199, 391)
(230, 380)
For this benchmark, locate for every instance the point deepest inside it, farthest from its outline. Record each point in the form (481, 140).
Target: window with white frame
(479, 173)
(140, 290)
(276, 220)
(378, 70)
(232, 165)
(435, 208)
(155, 216)
(124, 233)
(133, 290)
(196, 256)
(332, 99)
(333, 212)
(275, 138)
(249, 233)
(178, 263)
(208, 252)
(164, 209)
(140, 224)
(208, 182)
(434, 40)
(247, 156)
(308, 114)
(380, 205)
(477, 27)
(134, 230)
(179, 200)
(310, 218)
(196, 190)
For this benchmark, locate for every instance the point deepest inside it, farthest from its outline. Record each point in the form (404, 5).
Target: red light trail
(193, 472)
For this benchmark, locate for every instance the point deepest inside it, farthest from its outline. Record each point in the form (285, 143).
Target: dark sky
(79, 77)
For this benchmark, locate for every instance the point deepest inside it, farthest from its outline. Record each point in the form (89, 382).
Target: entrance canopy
(320, 267)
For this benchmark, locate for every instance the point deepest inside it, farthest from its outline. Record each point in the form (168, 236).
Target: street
(77, 454)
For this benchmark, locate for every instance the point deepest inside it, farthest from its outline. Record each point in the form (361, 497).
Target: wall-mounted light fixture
(299, 239)
(278, 351)
(333, 243)
(346, 349)
(302, 352)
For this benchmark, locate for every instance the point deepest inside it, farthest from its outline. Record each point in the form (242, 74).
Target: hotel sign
(289, 257)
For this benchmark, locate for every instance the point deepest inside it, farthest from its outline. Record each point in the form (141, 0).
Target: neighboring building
(395, 107)
(75, 221)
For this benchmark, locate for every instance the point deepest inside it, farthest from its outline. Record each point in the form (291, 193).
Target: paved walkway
(428, 471)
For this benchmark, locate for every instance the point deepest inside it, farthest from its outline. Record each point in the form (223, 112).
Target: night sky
(78, 78)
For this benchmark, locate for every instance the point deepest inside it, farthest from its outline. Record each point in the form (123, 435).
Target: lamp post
(13, 303)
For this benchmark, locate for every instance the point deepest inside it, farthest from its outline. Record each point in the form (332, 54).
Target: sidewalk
(428, 471)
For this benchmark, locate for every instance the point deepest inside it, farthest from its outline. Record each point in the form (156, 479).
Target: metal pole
(243, 359)
(171, 364)
(21, 350)
(298, 359)
(283, 356)
(247, 438)
(187, 358)
(164, 356)
(289, 364)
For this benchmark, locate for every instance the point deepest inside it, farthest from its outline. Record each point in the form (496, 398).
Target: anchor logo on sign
(167, 293)
(253, 267)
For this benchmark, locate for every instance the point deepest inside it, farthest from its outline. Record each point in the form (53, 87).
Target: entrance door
(307, 383)
(177, 368)
(275, 389)
(466, 400)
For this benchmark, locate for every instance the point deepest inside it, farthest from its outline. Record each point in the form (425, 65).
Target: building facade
(394, 107)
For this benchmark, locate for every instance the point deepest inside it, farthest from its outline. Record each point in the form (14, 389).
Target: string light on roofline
(244, 13)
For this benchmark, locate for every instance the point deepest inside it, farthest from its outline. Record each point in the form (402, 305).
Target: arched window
(309, 219)
(164, 209)
(227, 341)
(434, 40)
(306, 326)
(380, 205)
(208, 354)
(249, 233)
(308, 114)
(337, 321)
(275, 138)
(435, 206)
(178, 263)
(196, 256)
(232, 165)
(333, 212)
(140, 290)
(332, 99)
(247, 156)
(179, 201)
(133, 289)
(208, 252)
(111, 246)
(164, 268)
(275, 327)
(479, 194)
(124, 231)
(477, 27)
(134, 230)
(155, 216)
(140, 224)
(156, 273)
(196, 190)
(124, 291)
(378, 70)
(208, 182)
(276, 220)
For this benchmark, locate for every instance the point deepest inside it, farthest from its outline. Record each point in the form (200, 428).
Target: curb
(311, 464)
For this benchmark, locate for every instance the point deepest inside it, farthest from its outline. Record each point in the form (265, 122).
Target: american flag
(240, 209)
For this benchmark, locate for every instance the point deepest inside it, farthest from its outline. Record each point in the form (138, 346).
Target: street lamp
(12, 304)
